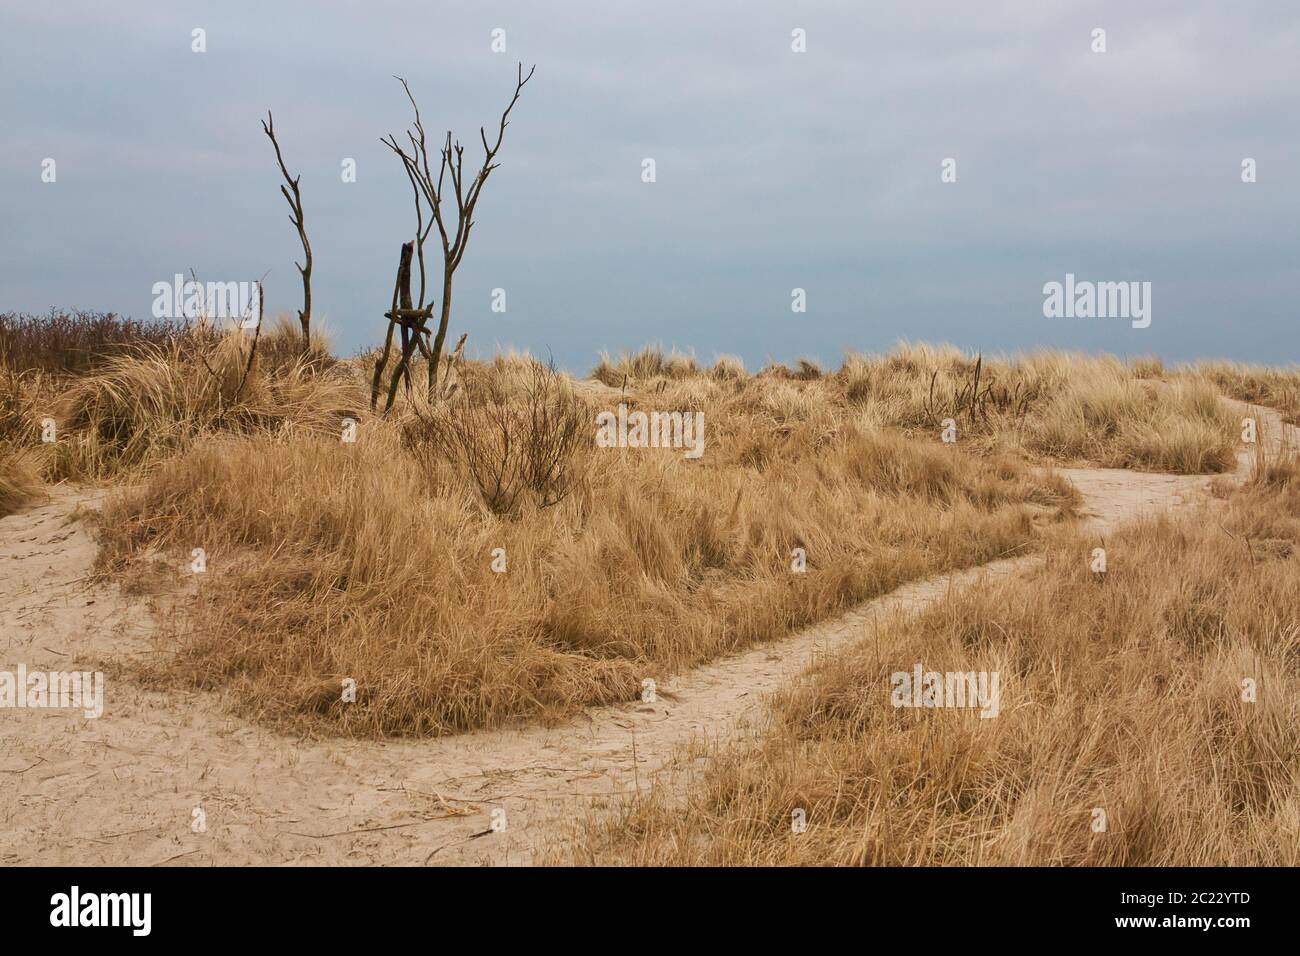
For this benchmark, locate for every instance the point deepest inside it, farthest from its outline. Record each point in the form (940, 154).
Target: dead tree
(295, 205)
(454, 240)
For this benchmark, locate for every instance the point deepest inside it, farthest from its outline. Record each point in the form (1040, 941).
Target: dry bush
(679, 365)
(1121, 692)
(531, 440)
(139, 408)
(1281, 472)
(1048, 405)
(75, 342)
(374, 560)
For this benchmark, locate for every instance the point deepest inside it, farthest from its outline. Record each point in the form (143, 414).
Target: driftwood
(414, 334)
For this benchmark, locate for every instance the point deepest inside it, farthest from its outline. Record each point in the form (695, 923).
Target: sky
(775, 170)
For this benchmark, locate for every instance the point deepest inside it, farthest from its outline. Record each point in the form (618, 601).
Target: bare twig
(252, 351)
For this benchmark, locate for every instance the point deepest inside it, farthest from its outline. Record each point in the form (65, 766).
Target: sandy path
(123, 789)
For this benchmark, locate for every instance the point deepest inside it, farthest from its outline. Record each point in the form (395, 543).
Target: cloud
(775, 169)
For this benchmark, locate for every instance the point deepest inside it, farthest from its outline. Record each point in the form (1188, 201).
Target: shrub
(76, 342)
(533, 440)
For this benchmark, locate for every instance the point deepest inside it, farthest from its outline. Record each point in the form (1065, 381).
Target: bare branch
(295, 204)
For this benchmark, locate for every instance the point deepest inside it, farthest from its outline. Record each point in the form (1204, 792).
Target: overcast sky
(775, 170)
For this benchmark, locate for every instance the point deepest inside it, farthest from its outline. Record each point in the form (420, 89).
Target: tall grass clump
(139, 408)
(19, 478)
(1120, 422)
(23, 396)
(642, 368)
(20, 404)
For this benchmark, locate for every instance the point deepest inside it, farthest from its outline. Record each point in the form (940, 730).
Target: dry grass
(374, 560)
(1049, 406)
(647, 364)
(1275, 387)
(152, 403)
(1121, 692)
(19, 478)
(279, 347)
(124, 395)
(22, 395)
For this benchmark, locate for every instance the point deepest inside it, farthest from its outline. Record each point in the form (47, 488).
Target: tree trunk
(409, 336)
(442, 333)
(403, 282)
